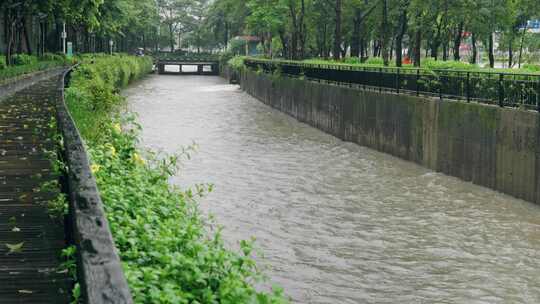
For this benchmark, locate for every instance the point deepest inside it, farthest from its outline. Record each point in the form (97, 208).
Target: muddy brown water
(337, 222)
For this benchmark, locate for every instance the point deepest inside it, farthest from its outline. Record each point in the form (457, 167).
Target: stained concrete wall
(487, 145)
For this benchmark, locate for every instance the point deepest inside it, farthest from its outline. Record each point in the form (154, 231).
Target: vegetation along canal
(337, 222)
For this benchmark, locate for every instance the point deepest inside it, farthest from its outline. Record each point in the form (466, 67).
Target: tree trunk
(355, 43)
(376, 48)
(457, 41)
(10, 25)
(436, 42)
(434, 50)
(226, 34)
(294, 46)
(384, 33)
(510, 52)
(337, 33)
(445, 50)
(392, 48)
(26, 36)
(144, 42)
(302, 32)
(399, 38)
(321, 42)
(284, 43)
(417, 47)
(474, 49)
(171, 37)
(363, 49)
(521, 46)
(490, 51)
(294, 32)
(18, 37)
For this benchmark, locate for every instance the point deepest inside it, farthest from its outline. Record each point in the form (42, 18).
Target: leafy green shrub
(352, 60)
(24, 59)
(237, 46)
(374, 61)
(531, 67)
(169, 255)
(432, 64)
(225, 57)
(94, 87)
(52, 57)
(2, 62)
(237, 63)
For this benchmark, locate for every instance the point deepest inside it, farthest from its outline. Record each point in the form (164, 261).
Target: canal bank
(335, 221)
(487, 145)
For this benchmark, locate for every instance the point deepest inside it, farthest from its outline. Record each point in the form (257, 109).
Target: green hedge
(168, 252)
(237, 62)
(427, 64)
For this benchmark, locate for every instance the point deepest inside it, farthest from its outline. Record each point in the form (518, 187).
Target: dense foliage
(90, 25)
(399, 31)
(299, 29)
(168, 252)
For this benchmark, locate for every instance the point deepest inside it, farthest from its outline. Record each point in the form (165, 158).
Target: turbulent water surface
(336, 222)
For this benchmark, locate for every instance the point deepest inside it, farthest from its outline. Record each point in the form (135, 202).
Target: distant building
(245, 45)
(533, 26)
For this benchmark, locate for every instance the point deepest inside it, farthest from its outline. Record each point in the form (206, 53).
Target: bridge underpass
(187, 66)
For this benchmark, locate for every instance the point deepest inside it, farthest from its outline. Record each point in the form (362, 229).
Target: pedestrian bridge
(188, 65)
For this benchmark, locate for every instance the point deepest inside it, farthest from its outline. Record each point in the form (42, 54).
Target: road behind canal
(336, 222)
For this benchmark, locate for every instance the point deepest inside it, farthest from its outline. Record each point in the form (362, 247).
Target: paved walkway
(30, 240)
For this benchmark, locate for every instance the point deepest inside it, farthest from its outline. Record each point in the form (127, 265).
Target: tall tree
(337, 31)
(402, 30)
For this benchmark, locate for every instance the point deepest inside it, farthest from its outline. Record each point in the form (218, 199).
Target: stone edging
(99, 270)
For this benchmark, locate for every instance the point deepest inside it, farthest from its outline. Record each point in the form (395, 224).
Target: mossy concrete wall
(487, 145)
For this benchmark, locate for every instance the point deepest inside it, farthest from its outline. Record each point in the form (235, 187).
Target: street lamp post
(64, 36)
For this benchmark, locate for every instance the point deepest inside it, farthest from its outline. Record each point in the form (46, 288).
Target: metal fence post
(397, 82)
(440, 85)
(417, 82)
(501, 90)
(468, 86)
(380, 79)
(538, 95)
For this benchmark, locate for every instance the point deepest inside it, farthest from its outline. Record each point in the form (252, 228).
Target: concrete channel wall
(487, 145)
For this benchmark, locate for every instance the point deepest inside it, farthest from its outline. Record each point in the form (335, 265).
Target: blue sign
(69, 49)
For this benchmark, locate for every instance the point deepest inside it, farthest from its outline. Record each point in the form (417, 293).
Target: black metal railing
(504, 89)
